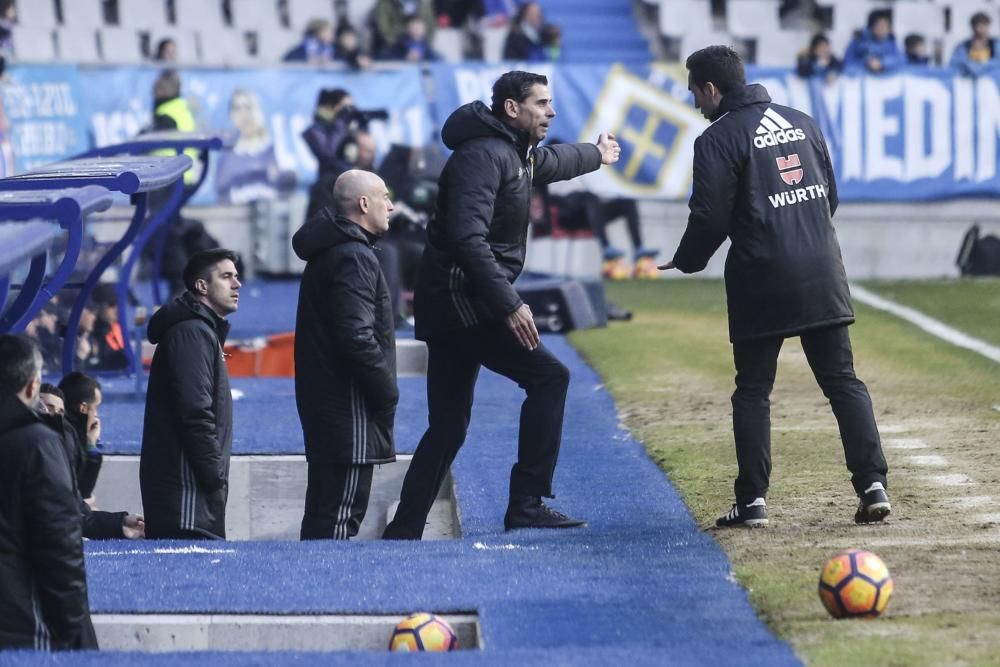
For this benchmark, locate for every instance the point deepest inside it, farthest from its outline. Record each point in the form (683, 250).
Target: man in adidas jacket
(466, 307)
(345, 355)
(187, 435)
(763, 178)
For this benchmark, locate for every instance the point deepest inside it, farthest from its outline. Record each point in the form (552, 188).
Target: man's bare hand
(522, 325)
(134, 527)
(666, 267)
(610, 150)
(94, 432)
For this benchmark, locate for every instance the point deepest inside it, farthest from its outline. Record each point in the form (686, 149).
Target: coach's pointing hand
(610, 150)
(666, 267)
(522, 324)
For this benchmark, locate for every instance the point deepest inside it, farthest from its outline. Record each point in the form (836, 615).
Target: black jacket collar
(744, 97)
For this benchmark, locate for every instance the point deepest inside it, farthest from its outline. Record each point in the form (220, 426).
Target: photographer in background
(332, 138)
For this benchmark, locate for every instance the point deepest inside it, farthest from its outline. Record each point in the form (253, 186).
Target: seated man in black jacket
(43, 604)
(187, 433)
(345, 356)
(97, 525)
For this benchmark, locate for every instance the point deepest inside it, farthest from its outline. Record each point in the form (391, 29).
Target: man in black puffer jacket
(465, 304)
(345, 355)
(763, 178)
(187, 436)
(43, 584)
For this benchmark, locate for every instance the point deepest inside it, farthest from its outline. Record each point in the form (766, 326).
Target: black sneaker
(531, 512)
(753, 515)
(873, 505)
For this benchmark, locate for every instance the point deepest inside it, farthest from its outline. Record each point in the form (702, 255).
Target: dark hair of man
(912, 40)
(78, 388)
(877, 15)
(52, 390)
(200, 266)
(20, 362)
(515, 85)
(818, 38)
(330, 97)
(979, 17)
(719, 65)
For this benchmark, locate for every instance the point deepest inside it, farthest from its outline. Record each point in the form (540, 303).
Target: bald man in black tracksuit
(467, 309)
(763, 178)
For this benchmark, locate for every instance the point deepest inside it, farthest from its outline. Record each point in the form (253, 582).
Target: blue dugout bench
(131, 175)
(146, 143)
(26, 232)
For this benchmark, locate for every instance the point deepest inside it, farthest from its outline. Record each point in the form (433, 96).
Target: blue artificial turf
(642, 585)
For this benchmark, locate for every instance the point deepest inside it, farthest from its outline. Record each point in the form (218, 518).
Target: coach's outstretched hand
(522, 324)
(610, 150)
(666, 267)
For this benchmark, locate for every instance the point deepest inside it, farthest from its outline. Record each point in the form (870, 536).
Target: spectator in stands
(44, 329)
(97, 525)
(980, 54)
(166, 51)
(552, 41)
(345, 356)
(187, 433)
(8, 19)
(333, 140)
(457, 13)
(389, 19)
(87, 350)
(348, 48)
(524, 41)
(249, 170)
(317, 44)
(42, 572)
(874, 49)
(82, 400)
(819, 62)
(915, 50)
(412, 46)
(497, 13)
(108, 330)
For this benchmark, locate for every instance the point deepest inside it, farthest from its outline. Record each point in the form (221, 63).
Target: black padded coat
(187, 435)
(763, 178)
(476, 244)
(345, 345)
(43, 584)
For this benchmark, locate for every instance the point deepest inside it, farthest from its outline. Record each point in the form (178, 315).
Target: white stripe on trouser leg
(340, 529)
(42, 640)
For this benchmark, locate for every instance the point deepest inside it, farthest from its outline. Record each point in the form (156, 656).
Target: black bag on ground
(979, 255)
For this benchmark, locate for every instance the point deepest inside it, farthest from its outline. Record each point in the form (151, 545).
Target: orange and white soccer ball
(855, 583)
(423, 632)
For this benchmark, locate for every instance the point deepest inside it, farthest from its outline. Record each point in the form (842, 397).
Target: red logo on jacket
(790, 169)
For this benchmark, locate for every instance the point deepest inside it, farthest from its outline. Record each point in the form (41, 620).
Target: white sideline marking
(928, 460)
(988, 518)
(173, 551)
(955, 479)
(482, 546)
(892, 428)
(997, 407)
(905, 443)
(973, 501)
(928, 324)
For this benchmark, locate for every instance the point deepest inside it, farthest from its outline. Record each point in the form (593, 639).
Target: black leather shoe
(531, 512)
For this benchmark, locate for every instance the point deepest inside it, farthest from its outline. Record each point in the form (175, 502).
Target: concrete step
(249, 632)
(267, 497)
